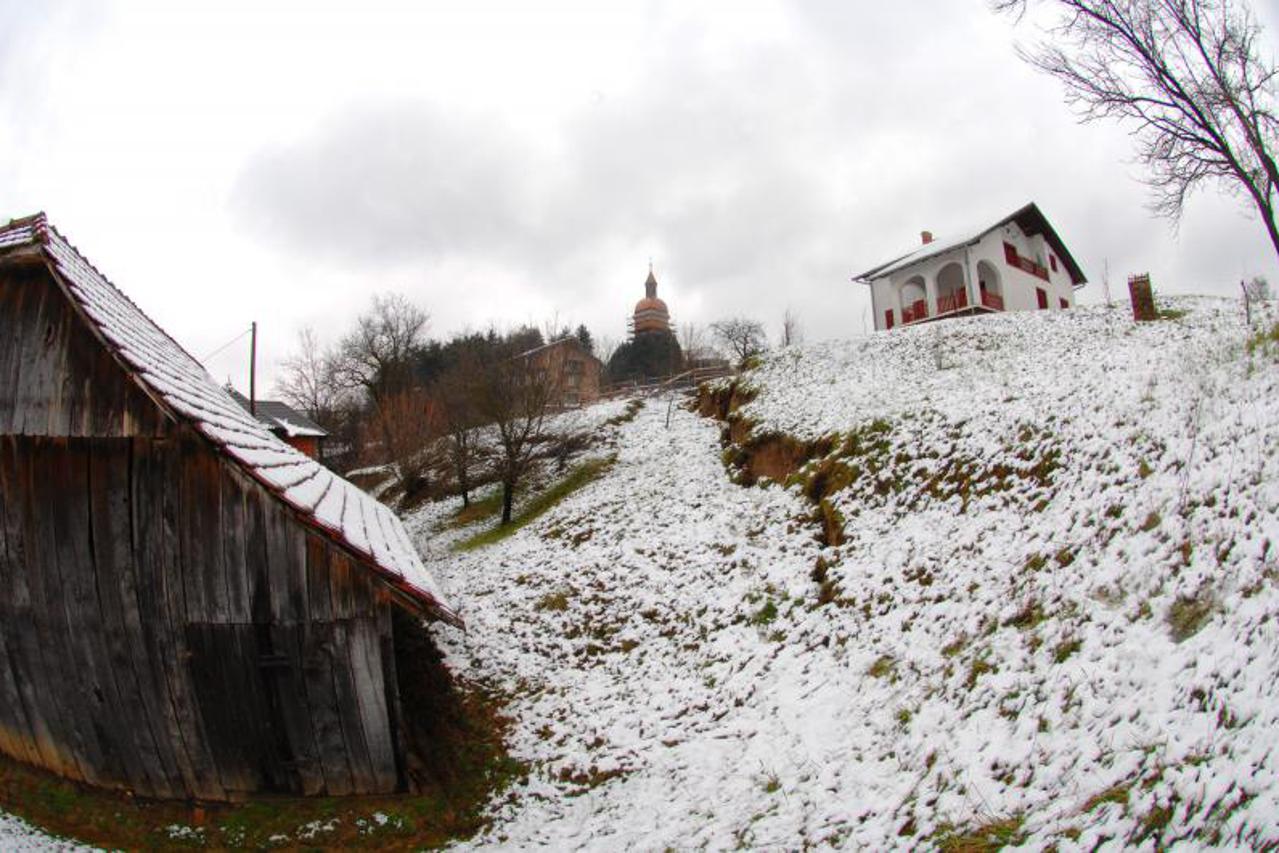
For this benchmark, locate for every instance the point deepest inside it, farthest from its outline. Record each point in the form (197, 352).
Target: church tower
(651, 314)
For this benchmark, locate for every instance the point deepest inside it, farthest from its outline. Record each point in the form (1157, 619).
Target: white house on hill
(1016, 264)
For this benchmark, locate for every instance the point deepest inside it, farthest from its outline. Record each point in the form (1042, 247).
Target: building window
(1052, 262)
(1042, 296)
(1064, 304)
(888, 319)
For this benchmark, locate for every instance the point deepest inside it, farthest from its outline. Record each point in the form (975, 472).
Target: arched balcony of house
(913, 296)
(989, 288)
(952, 290)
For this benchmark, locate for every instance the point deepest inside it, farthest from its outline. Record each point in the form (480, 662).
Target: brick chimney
(926, 236)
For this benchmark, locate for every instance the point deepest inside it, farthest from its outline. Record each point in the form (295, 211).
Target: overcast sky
(228, 162)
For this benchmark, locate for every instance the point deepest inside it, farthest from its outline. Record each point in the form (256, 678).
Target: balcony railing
(992, 300)
(1024, 264)
(952, 302)
(916, 311)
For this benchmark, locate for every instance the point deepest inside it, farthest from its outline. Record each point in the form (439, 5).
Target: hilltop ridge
(1019, 586)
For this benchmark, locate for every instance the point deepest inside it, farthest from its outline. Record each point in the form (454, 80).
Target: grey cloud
(765, 177)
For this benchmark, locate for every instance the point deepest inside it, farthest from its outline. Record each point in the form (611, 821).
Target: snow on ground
(1054, 608)
(17, 834)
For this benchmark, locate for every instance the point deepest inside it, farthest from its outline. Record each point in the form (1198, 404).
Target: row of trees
(388, 393)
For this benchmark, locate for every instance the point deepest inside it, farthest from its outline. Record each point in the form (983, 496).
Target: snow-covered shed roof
(279, 415)
(179, 384)
(1030, 219)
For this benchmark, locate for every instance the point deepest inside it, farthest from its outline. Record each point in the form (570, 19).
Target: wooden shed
(190, 607)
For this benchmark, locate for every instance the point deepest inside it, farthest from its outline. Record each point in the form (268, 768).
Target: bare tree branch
(1189, 77)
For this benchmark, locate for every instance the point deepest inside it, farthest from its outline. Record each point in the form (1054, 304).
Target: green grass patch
(989, 837)
(1117, 794)
(766, 614)
(1264, 340)
(557, 601)
(632, 409)
(1063, 651)
(477, 510)
(885, 666)
(582, 475)
(1188, 614)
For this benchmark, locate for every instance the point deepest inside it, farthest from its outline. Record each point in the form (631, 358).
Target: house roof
(180, 385)
(1030, 219)
(279, 415)
(559, 342)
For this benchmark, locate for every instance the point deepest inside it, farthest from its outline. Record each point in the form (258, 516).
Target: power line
(227, 344)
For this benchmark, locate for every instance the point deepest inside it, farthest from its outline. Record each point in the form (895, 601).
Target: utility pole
(253, 370)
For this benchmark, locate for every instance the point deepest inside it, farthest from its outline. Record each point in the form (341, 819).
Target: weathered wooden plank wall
(55, 377)
(169, 626)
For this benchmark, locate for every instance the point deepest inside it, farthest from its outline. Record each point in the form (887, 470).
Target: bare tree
(691, 338)
(513, 397)
(744, 338)
(308, 380)
(605, 346)
(377, 355)
(456, 392)
(792, 331)
(1258, 289)
(1188, 76)
(409, 422)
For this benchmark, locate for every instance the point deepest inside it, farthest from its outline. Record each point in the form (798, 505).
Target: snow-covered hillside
(1052, 617)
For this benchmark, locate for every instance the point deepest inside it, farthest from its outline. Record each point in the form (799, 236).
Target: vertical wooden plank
(271, 757)
(366, 668)
(176, 587)
(234, 534)
(289, 682)
(321, 693)
(24, 598)
(189, 520)
(341, 579)
(286, 563)
(391, 688)
(17, 736)
(156, 469)
(31, 413)
(317, 662)
(287, 570)
(12, 296)
(66, 670)
(110, 515)
(152, 630)
(99, 697)
(347, 691)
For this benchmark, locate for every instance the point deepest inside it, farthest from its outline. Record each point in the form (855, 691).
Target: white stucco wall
(1016, 286)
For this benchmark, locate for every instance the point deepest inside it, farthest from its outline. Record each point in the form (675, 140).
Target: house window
(1064, 304)
(888, 319)
(1042, 296)
(1052, 262)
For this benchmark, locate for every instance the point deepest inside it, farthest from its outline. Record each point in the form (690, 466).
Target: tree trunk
(508, 497)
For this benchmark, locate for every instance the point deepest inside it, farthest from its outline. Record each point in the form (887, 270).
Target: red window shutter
(888, 319)
(1064, 304)
(1010, 254)
(1052, 262)
(1042, 297)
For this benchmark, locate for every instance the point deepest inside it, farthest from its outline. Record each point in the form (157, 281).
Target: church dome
(651, 313)
(653, 304)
